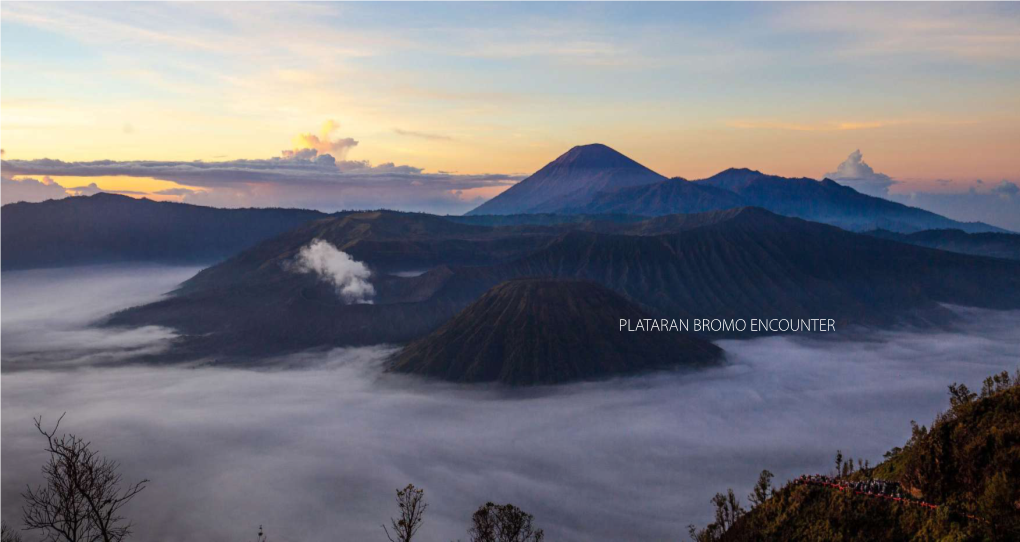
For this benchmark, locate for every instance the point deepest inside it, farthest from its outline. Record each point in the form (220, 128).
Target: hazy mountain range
(999, 245)
(588, 183)
(594, 179)
(595, 223)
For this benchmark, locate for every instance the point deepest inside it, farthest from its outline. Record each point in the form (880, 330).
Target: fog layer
(315, 454)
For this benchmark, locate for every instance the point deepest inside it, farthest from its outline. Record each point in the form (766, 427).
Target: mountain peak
(571, 180)
(594, 155)
(742, 170)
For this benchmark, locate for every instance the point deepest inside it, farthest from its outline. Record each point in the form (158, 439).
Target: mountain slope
(831, 203)
(750, 263)
(255, 304)
(966, 464)
(540, 331)
(109, 228)
(570, 181)
(996, 245)
(737, 263)
(385, 240)
(664, 198)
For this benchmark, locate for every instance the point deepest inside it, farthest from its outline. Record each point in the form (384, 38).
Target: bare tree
(82, 497)
(503, 523)
(411, 502)
(7, 534)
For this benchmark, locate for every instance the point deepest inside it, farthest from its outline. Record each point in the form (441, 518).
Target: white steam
(349, 277)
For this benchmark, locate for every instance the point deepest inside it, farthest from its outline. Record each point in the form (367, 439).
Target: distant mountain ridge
(996, 245)
(832, 203)
(111, 228)
(579, 183)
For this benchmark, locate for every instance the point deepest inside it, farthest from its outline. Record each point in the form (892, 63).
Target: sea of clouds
(314, 452)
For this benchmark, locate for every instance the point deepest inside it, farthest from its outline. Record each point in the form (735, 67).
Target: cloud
(348, 277)
(176, 192)
(48, 315)
(801, 127)
(31, 190)
(312, 181)
(998, 205)
(92, 189)
(422, 135)
(315, 453)
(313, 174)
(1006, 189)
(307, 146)
(857, 174)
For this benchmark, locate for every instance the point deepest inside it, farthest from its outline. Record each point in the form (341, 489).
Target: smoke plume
(348, 277)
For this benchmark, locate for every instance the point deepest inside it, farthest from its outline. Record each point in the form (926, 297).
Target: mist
(315, 451)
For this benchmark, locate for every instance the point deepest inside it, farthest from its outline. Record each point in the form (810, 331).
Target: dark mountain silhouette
(832, 203)
(738, 263)
(541, 331)
(750, 263)
(109, 228)
(385, 240)
(570, 181)
(541, 219)
(997, 245)
(255, 305)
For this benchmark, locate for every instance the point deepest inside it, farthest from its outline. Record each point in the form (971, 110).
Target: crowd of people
(883, 488)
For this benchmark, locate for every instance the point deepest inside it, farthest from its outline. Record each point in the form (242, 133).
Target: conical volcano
(570, 181)
(546, 331)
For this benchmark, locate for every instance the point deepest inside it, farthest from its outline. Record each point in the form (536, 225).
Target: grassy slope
(968, 462)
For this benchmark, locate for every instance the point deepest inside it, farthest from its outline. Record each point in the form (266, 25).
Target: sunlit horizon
(928, 93)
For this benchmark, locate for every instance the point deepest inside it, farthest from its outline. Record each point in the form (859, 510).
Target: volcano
(545, 331)
(572, 180)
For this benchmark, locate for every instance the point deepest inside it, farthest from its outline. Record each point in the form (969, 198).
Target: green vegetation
(967, 464)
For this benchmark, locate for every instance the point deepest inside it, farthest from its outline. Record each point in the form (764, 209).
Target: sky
(437, 107)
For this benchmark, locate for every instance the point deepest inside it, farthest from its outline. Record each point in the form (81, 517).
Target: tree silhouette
(7, 534)
(503, 523)
(762, 490)
(82, 496)
(727, 512)
(411, 502)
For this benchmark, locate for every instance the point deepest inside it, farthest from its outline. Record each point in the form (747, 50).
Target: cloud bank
(315, 453)
(348, 277)
(30, 190)
(314, 174)
(302, 178)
